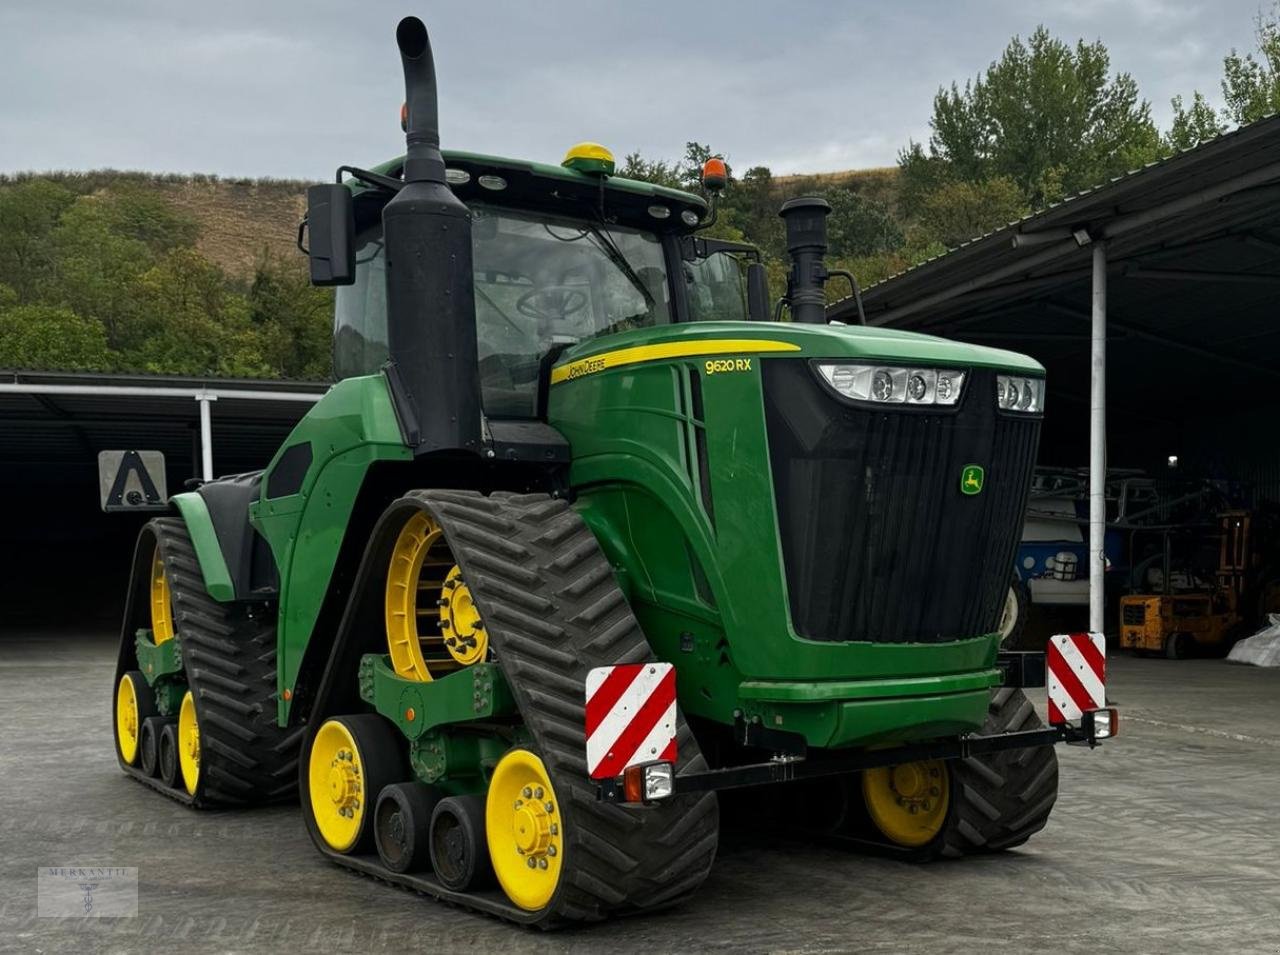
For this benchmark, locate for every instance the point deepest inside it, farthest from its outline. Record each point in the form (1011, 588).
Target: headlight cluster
(885, 385)
(1020, 394)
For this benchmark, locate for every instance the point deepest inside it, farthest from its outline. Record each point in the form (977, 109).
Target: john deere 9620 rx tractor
(568, 456)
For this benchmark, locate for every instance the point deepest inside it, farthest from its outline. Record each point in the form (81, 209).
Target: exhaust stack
(431, 314)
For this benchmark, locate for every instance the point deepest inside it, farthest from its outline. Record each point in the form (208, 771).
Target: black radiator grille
(1134, 614)
(878, 542)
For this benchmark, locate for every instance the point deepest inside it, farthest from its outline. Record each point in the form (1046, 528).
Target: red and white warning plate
(631, 717)
(1077, 675)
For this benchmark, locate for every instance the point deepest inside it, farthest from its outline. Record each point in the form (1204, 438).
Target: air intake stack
(806, 221)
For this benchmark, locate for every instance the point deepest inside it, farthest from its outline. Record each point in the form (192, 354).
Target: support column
(206, 435)
(1098, 443)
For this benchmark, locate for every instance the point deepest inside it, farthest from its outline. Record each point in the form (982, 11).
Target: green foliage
(1192, 124)
(860, 227)
(1251, 85)
(29, 212)
(956, 212)
(103, 275)
(1047, 116)
(45, 337)
(1250, 89)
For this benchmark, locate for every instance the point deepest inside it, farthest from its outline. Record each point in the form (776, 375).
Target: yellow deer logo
(971, 479)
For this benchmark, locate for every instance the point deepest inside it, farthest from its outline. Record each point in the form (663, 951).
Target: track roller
(402, 825)
(458, 852)
(149, 745)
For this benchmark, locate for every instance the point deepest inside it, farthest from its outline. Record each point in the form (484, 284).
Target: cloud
(293, 88)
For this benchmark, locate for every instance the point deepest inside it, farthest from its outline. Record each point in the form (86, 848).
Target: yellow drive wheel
(189, 743)
(352, 759)
(525, 830)
(128, 719)
(433, 627)
(161, 602)
(908, 802)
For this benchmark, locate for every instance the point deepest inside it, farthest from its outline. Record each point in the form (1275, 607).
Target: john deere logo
(972, 478)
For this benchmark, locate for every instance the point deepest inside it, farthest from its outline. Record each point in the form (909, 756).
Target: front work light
(886, 385)
(1014, 393)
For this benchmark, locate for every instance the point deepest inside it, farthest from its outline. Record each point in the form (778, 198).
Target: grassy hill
(237, 219)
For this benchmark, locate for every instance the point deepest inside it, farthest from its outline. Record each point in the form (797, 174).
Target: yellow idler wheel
(525, 830)
(908, 802)
(352, 759)
(463, 630)
(189, 743)
(134, 703)
(161, 602)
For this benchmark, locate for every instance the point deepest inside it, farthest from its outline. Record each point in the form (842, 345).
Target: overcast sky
(292, 88)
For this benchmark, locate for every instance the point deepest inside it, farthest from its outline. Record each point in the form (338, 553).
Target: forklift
(1197, 610)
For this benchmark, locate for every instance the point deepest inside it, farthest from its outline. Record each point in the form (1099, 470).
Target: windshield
(540, 281)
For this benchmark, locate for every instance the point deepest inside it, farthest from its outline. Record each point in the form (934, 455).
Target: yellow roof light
(589, 158)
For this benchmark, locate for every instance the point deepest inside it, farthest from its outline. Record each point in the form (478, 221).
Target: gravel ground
(1163, 841)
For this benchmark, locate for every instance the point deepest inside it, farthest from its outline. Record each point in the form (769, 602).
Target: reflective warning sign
(132, 481)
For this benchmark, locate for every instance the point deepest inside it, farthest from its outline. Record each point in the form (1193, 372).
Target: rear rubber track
(553, 610)
(1000, 800)
(229, 658)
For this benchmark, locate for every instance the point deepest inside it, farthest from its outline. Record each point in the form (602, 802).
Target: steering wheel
(552, 301)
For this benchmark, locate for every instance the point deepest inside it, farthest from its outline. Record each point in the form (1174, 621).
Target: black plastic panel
(878, 541)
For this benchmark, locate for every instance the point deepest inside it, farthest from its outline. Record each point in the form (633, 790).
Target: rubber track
(1001, 800)
(229, 656)
(553, 610)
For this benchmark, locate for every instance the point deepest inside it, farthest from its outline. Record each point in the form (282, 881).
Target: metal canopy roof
(1193, 268)
(62, 418)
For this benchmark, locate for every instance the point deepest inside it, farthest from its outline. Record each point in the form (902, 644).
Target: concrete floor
(1163, 841)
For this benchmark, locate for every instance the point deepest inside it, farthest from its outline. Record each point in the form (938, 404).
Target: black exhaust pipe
(431, 313)
(422, 159)
(806, 221)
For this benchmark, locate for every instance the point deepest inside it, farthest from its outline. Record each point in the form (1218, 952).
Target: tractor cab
(560, 255)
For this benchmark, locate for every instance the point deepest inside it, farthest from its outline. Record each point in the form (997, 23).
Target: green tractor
(570, 473)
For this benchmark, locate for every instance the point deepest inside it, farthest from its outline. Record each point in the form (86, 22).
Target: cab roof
(541, 184)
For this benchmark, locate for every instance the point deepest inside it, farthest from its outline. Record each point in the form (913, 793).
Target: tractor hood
(779, 339)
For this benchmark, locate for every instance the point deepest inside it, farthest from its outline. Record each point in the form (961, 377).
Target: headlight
(1020, 394)
(879, 384)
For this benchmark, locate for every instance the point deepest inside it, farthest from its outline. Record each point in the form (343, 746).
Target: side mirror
(757, 292)
(331, 234)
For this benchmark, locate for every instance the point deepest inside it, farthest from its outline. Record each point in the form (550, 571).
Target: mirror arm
(857, 292)
(375, 179)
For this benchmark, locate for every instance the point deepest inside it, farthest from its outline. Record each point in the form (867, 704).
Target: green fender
(195, 514)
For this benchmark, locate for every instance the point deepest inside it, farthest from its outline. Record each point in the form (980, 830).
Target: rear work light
(885, 384)
(646, 782)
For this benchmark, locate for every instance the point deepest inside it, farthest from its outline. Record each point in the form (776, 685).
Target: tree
(29, 211)
(959, 211)
(294, 321)
(1251, 86)
(1250, 89)
(42, 337)
(858, 226)
(1192, 124)
(1047, 116)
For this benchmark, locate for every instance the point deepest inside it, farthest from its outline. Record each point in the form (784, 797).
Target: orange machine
(1192, 615)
